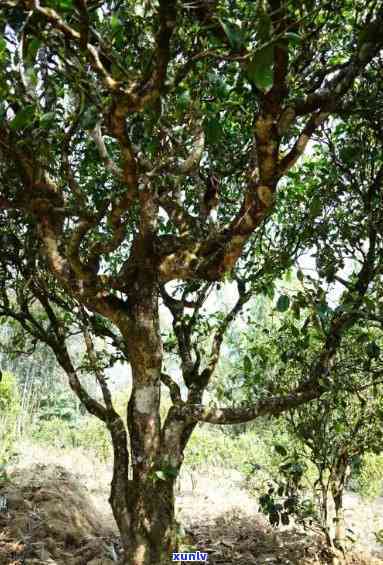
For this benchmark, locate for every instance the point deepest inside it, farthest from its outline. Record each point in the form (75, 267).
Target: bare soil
(223, 519)
(58, 514)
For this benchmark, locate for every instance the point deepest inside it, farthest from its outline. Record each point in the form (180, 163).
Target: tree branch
(369, 45)
(174, 389)
(96, 135)
(92, 52)
(300, 145)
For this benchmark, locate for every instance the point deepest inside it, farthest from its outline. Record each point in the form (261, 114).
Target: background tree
(346, 422)
(341, 427)
(123, 128)
(39, 381)
(9, 410)
(329, 435)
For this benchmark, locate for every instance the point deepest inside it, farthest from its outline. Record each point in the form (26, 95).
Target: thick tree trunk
(149, 536)
(153, 529)
(152, 534)
(144, 512)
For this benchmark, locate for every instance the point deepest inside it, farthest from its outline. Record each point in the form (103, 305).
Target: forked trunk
(148, 528)
(145, 515)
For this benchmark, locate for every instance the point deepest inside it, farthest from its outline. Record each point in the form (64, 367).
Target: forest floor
(58, 514)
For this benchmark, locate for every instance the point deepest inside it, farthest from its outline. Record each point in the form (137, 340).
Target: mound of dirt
(47, 517)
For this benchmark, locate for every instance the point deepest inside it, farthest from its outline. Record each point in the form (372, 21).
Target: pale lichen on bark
(146, 398)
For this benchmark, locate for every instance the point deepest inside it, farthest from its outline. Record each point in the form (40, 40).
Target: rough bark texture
(66, 217)
(152, 528)
(338, 481)
(323, 509)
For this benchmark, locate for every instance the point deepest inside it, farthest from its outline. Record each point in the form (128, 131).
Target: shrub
(93, 434)
(370, 477)
(211, 447)
(88, 433)
(9, 412)
(55, 432)
(9, 394)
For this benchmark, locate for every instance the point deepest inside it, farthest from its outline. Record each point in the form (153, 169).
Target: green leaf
(264, 500)
(166, 472)
(293, 38)
(323, 310)
(283, 303)
(373, 350)
(31, 76)
(171, 472)
(23, 117)
(247, 364)
(183, 100)
(3, 48)
(115, 22)
(233, 33)
(260, 69)
(64, 4)
(295, 331)
(338, 59)
(284, 356)
(213, 130)
(33, 47)
(280, 450)
(264, 27)
(47, 120)
(89, 118)
(296, 310)
(315, 208)
(338, 428)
